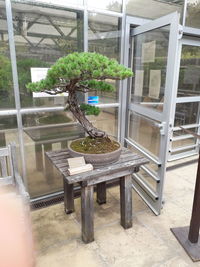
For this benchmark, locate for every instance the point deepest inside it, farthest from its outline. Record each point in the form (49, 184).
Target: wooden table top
(127, 161)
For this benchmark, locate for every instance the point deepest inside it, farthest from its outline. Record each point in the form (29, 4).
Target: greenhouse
(153, 113)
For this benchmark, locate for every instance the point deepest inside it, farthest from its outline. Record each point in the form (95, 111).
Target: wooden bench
(128, 163)
(9, 175)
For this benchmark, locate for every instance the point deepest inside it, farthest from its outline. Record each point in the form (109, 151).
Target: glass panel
(193, 13)
(107, 121)
(44, 132)
(9, 133)
(104, 38)
(186, 113)
(47, 118)
(49, 131)
(6, 85)
(184, 142)
(111, 5)
(42, 35)
(189, 75)
(145, 132)
(150, 51)
(153, 9)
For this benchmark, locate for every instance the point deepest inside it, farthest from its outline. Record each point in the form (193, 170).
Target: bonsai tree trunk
(80, 116)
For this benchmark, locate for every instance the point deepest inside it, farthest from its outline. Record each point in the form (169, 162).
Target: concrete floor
(148, 243)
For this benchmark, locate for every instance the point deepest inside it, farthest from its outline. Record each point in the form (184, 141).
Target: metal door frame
(154, 199)
(186, 40)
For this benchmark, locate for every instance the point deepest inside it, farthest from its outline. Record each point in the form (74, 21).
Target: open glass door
(154, 47)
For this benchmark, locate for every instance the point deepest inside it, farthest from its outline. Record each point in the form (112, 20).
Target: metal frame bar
(167, 115)
(16, 86)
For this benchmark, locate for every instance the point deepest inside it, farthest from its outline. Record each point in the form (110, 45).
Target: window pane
(44, 132)
(6, 84)
(42, 35)
(111, 5)
(193, 13)
(153, 9)
(186, 113)
(107, 121)
(150, 51)
(145, 132)
(9, 133)
(189, 75)
(104, 38)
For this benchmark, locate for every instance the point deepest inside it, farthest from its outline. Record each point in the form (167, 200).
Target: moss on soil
(94, 145)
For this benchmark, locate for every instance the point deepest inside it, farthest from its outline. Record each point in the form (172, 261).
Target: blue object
(92, 100)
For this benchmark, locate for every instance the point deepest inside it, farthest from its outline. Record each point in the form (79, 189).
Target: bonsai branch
(80, 116)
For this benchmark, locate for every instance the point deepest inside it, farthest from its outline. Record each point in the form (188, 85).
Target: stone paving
(148, 243)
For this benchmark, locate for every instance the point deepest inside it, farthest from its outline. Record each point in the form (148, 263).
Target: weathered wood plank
(101, 193)
(104, 171)
(126, 201)
(87, 210)
(68, 197)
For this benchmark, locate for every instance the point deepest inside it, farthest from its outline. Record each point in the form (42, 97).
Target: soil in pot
(95, 145)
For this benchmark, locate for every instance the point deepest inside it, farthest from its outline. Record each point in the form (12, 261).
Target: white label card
(148, 52)
(139, 79)
(76, 162)
(154, 83)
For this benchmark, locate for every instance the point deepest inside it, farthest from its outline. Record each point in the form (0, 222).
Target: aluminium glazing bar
(188, 99)
(182, 148)
(189, 126)
(46, 4)
(145, 187)
(182, 137)
(183, 155)
(8, 112)
(16, 85)
(150, 173)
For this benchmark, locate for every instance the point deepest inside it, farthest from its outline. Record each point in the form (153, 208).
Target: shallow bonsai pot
(97, 159)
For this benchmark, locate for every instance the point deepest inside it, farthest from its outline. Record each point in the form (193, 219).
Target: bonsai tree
(82, 72)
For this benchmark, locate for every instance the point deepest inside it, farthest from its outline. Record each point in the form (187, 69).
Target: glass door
(187, 101)
(154, 47)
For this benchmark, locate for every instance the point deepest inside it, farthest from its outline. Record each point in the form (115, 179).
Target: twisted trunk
(80, 116)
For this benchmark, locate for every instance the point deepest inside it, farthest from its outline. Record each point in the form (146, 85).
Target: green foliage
(98, 85)
(82, 68)
(5, 74)
(90, 110)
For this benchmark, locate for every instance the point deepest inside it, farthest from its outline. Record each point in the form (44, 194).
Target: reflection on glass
(184, 142)
(153, 9)
(189, 74)
(104, 38)
(9, 133)
(42, 35)
(53, 131)
(107, 121)
(150, 51)
(144, 132)
(47, 118)
(186, 113)
(111, 5)
(6, 86)
(193, 14)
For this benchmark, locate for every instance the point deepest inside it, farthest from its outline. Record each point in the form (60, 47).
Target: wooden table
(128, 163)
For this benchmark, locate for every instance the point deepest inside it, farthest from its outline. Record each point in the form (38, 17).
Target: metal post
(16, 85)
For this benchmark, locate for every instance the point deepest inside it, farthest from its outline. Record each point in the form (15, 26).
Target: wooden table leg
(101, 193)
(87, 211)
(68, 197)
(39, 157)
(126, 201)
